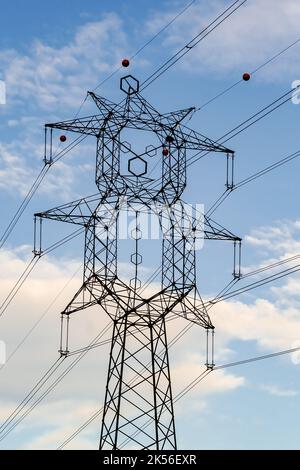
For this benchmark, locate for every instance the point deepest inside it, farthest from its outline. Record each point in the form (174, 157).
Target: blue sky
(49, 57)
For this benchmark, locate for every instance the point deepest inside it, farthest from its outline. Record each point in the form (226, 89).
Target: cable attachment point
(64, 353)
(210, 347)
(48, 152)
(230, 171)
(37, 236)
(237, 256)
(64, 335)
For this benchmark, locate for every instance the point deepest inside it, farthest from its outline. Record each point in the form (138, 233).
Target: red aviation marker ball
(125, 62)
(165, 152)
(62, 138)
(246, 76)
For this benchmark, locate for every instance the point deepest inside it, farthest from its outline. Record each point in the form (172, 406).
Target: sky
(50, 55)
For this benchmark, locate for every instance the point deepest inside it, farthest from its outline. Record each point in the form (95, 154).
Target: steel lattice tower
(138, 405)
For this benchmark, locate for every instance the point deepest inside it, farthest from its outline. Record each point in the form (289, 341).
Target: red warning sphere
(246, 76)
(125, 62)
(165, 152)
(62, 138)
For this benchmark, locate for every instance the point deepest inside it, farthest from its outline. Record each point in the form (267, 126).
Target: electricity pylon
(138, 408)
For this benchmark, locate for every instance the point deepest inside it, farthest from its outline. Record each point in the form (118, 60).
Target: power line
(186, 48)
(9, 431)
(36, 184)
(268, 169)
(148, 42)
(193, 42)
(31, 265)
(253, 72)
(23, 205)
(13, 292)
(10, 422)
(271, 266)
(32, 392)
(224, 291)
(256, 117)
(46, 167)
(41, 317)
(257, 358)
(190, 386)
(178, 336)
(99, 257)
(251, 178)
(180, 395)
(215, 368)
(41, 382)
(254, 285)
(222, 295)
(240, 127)
(204, 374)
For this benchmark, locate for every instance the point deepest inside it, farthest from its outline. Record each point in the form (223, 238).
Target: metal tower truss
(138, 400)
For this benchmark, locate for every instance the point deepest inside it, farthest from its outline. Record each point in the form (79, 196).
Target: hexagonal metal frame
(125, 147)
(136, 173)
(136, 259)
(151, 151)
(136, 234)
(130, 85)
(135, 282)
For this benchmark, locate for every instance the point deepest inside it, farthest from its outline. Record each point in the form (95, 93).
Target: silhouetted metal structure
(138, 405)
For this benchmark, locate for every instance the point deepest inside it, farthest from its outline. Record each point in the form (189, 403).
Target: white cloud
(279, 238)
(53, 414)
(278, 391)
(46, 82)
(54, 78)
(257, 31)
(65, 179)
(273, 244)
(14, 175)
(191, 365)
(72, 401)
(271, 325)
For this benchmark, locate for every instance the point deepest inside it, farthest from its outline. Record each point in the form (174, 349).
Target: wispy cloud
(44, 427)
(258, 30)
(279, 391)
(263, 322)
(53, 78)
(274, 243)
(43, 84)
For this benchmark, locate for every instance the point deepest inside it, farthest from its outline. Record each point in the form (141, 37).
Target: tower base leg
(138, 410)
